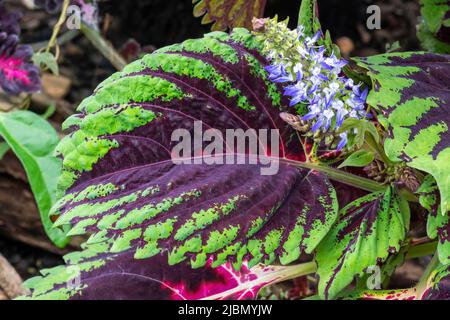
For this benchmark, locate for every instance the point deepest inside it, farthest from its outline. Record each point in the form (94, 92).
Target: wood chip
(10, 281)
(346, 45)
(56, 87)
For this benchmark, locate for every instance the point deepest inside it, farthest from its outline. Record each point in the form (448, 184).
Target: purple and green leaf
(438, 287)
(438, 224)
(369, 231)
(411, 92)
(147, 215)
(400, 294)
(96, 274)
(196, 212)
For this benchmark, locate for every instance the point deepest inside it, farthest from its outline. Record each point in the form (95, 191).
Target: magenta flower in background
(17, 72)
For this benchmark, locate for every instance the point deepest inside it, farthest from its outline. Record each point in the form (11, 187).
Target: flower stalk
(313, 80)
(62, 18)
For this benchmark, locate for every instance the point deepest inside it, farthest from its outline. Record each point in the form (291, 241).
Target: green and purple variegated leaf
(96, 274)
(194, 212)
(401, 294)
(122, 187)
(438, 224)
(434, 29)
(380, 277)
(219, 80)
(438, 287)
(160, 227)
(228, 14)
(411, 91)
(370, 229)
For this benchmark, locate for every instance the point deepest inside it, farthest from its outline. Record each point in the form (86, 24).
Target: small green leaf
(50, 111)
(360, 158)
(434, 25)
(350, 123)
(4, 148)
(33, 140)
(308, 17)
(363, 128)
(391, 47)
(362, 125)
(46, 59)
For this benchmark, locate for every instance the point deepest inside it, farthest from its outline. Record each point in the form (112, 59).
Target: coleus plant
(161, 230)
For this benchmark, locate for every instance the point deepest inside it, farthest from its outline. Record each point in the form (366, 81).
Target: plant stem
(332, 173)
(350, 179)
(422, 285)
(104, 47)
(307, 155)
(378, 148)
(64, 38)
(57, 28)
(300, 270)
(421, 250)
(419, 241)
(341, 176)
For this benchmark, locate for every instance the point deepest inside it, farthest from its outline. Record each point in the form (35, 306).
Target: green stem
(337, 175)
(421, 250)
(58, 26)
(350, 179)
(64, 38)
(104, 47)
(341, 176)
(377, 148)
(300, 270)
(422, 285)
(303, 143)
